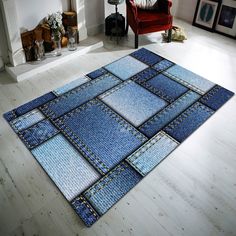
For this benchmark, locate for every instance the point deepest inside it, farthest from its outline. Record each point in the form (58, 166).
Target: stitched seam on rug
(144, 148)
(184, 82)
(119, 170)
(81, 87)
(46, 138)
(210, 94)
(158, 92)
(14, 122)
(166, 110)
(81, 145)
(184, 115)
(118, 87)
(123, 123)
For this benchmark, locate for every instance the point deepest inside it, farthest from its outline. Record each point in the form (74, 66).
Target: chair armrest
(132, 7)
(164, 6)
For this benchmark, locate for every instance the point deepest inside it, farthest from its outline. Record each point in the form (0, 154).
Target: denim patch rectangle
(112, 187)
(165, 87)
(73, 84)
(133, 102)
(84, 210)
(161, 119)
(216, 97)
(64, 164)
(188, 121)
(152, 153)
(147, 56)
(78, 96)
(101, 135)
(26, 120)
(38, 133)
(189, 79)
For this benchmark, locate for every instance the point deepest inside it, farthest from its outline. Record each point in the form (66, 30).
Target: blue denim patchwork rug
(99, 135)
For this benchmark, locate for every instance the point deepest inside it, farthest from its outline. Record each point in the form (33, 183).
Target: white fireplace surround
(15, 50)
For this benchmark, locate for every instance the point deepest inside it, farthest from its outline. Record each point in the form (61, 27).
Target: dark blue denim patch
(84, 210)
(216, 97)
(188, 121)
(106, 192)
(165, 87)
(97, 73)
(146, 56)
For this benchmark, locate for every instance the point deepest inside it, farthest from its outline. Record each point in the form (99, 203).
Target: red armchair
(148, 21)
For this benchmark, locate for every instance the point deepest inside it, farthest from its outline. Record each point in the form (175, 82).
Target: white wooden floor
(192, 192)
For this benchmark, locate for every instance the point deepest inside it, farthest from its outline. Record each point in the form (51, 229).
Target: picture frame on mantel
(206, 14)
(226, 19)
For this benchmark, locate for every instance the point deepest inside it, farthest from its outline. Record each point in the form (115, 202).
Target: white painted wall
(94, 15)
(184, 9)
(3, 43)
(31, 12)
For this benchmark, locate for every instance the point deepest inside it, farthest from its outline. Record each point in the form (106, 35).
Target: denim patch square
(126, 67)
(152, 153)
(133, 102)
(100, 134)
(189, 79)
(161, 119)
(165, 87)
(26, 120)
(78, 96)
(107, 191)
(73, 84)
(38, 133)
(64, 164)
(188, 121)
(216, 97)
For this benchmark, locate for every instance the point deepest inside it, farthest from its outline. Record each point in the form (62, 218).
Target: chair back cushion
(146, 4)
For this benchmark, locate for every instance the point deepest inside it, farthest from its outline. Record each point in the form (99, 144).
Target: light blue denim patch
(26, 120)
(79, 95)
(73, 84)
(133, 102)
(67, 168)
(100, 134)
(126, 67)
(152, 153)
(189, 79)
(107, 191)
(160, 120)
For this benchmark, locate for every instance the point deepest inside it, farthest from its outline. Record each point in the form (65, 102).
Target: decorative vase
(72, 44)
(56, 37)
(39, 50)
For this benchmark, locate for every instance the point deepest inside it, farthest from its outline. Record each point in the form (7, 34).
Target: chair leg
(169, 35)
(126, 28)
(136, 41)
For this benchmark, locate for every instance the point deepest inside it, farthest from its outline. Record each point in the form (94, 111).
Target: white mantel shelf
(27, 70)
